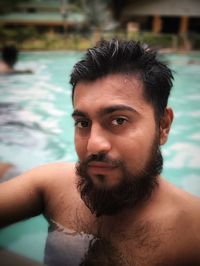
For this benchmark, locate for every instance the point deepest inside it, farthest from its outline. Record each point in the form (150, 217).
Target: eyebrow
(115, 108)
(106, 110)
(79, 113)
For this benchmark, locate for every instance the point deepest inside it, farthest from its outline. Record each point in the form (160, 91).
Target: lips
(100, 166)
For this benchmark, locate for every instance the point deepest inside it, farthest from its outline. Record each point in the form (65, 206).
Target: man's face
(117, 143)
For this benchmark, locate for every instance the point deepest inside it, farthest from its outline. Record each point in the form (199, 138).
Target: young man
(112, 207)
(9, 59)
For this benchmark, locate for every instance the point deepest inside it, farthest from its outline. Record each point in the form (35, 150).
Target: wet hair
(9, 54)
(127, 57)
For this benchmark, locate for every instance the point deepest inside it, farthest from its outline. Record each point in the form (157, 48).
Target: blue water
(36, 128)
(41, 102)
(182, 151)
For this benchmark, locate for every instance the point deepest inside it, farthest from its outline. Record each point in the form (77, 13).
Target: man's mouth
(100, 167)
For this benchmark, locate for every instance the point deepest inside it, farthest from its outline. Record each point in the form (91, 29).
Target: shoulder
(182, 204)
(57, 184)
(55, 167)
(184, 217)
(177, 210)
(52, 172)
(176, 224)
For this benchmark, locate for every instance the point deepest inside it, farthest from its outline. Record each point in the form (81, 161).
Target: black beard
(134, 188)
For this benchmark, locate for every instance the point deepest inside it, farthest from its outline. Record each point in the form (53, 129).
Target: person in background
(9, 59)
(112, 207)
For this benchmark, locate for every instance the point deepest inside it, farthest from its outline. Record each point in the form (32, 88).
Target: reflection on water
(15, 129)
(68, 247)
(23, 133)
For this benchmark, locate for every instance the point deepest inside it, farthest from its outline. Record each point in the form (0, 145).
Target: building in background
(97, 19)
(159, 16)
(44, 15)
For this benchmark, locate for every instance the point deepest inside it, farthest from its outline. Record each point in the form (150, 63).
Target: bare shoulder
(178, 209)
(58, 186)
(186, 211)
(176, 225)
(188, 225)
(188, 202)
(52, 176)
(45, 174)
(192, 214)
(32, 191)
(50, 169)
(183, 202)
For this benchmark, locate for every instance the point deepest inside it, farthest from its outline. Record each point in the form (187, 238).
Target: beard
(134, 187)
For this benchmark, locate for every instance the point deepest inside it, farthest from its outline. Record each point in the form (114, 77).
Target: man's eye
(119, 121)
(82, 124)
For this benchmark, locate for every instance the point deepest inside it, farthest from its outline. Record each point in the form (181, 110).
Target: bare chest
(76, 233)
(96, 242)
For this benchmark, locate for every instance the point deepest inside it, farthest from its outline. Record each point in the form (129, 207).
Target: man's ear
(165, 125)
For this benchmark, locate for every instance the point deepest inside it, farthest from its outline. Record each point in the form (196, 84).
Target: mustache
(101, 157)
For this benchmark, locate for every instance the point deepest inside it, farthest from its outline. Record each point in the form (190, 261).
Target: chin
(105, 182)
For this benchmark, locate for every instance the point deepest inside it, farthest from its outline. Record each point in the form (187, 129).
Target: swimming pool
(36, 128)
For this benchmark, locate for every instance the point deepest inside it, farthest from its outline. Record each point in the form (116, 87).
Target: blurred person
(112, 207)
(9, 59)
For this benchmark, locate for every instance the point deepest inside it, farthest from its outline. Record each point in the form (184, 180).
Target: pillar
(184, 25)
(157, 24)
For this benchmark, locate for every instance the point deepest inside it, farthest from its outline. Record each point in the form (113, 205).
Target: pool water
(36, 128)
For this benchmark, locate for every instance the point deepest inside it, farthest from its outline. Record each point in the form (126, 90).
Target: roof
(162, 7)
(41, 18)
(42, 6)
(39, 4)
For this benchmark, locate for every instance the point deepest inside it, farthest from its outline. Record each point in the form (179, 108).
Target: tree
(97, 13)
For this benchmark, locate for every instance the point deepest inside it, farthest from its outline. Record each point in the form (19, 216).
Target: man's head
(9, 55)
(120, 94)
(127, 57)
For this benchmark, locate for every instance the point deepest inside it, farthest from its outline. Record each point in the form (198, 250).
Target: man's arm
(32, 193)
(20, 198)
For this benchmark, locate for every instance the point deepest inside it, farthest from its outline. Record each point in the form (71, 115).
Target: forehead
(110, 90)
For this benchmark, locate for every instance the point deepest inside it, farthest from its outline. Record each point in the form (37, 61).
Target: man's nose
(98, 141)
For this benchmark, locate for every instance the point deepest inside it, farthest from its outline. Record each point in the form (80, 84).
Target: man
(9, 59)
(112, 207)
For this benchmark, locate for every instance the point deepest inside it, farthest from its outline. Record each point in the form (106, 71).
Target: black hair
(127, 57)
(9, 54)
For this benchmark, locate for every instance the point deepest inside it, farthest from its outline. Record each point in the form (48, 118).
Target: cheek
(80, 146)
(135, 149)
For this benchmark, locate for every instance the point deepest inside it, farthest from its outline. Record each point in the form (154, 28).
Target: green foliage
(157, 40)
(17, 35)
(195, 41)
(30, 38)
(153, 40)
